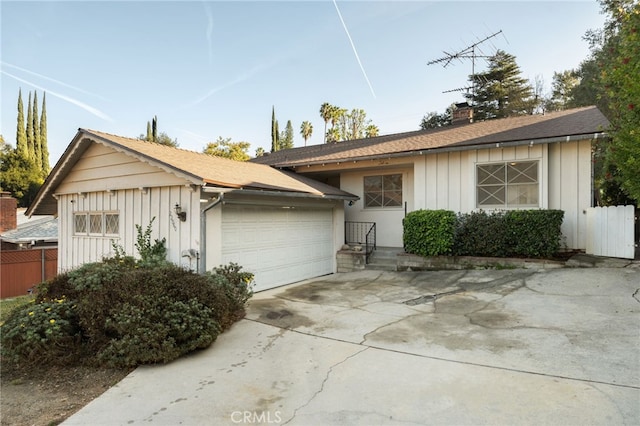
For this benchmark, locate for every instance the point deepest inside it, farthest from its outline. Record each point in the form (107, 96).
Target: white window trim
(403, 181)
(87, 214)
(506, 206)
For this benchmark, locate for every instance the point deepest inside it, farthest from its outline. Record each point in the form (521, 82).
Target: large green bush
(429, 232)
(123, 312)
(514, 233)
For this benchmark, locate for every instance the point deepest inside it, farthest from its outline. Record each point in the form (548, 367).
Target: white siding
(388, 220)
(101, 168)
(135, 207)
(570, 187)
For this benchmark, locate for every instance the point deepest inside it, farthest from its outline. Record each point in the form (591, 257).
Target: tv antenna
(468, 52)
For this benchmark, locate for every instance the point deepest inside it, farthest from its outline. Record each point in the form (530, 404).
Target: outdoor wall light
(350, 202)
(181, 215)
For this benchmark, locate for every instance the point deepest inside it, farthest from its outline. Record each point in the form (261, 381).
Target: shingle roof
(573, 122)
(198, 168)
(41, 229)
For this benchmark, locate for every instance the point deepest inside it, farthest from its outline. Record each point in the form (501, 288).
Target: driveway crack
(636, 295)
(326, 378)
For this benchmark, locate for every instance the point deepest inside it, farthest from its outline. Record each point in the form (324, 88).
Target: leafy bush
(429, 232)
(41, 332)
(123, 312)
(514, 233)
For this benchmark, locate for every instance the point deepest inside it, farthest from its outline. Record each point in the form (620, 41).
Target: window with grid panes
(507, 185)
(383, 190)
(96, 223)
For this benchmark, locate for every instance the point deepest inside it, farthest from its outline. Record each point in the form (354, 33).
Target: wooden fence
(21, 270)
(611, 231)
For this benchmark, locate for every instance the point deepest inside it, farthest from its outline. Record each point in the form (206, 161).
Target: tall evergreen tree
(501, 91)
(148, 138)
(274, 130)
(37, 147)
(286, 139)
(30, 148)
(21, 133)
(44, 144)
(154, 129)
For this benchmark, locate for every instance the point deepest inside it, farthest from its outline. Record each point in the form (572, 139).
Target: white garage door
(279, 245)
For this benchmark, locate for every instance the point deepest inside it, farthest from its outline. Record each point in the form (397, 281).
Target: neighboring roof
(40, 229)
(586, 122)
(198, 168)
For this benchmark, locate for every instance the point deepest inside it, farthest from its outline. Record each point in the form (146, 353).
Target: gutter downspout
(202, 267)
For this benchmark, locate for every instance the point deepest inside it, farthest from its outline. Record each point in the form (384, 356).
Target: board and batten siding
(570, 172)
(104, 180)
(134, 207)
(448, 181)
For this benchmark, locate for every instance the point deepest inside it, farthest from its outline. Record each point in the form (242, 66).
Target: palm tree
(371, 131)
(306, 129)
(326, 112)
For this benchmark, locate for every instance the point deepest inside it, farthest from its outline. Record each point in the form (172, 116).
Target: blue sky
(215, 68)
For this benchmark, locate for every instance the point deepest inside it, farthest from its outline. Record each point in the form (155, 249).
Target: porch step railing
(361, 233)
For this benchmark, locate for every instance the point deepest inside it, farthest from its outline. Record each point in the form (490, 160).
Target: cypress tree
(21, 133)
(148, 138)
(274, 130)
(154, 129)
(37, 147)
(30, 148)
(43, 138)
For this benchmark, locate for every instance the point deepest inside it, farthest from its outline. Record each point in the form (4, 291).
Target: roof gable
(539, 128)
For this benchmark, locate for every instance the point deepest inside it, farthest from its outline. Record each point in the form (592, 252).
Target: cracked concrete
(557, 346)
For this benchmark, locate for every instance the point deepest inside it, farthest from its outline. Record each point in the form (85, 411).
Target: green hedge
(429, 232)
(514, 233)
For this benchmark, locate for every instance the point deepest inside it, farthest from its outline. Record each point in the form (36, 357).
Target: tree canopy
(152, 134)
(224, 147)
(501, 91)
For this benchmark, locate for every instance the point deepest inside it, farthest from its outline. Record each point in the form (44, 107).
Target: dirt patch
(49, 395)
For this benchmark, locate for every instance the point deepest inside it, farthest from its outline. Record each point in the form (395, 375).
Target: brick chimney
(462, 113)
(8, 212)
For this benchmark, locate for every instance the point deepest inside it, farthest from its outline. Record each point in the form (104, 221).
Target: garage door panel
(279, 246)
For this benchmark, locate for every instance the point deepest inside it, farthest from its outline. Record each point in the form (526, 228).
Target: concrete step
(384, 259)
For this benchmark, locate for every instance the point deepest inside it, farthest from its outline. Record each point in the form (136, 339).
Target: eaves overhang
(450, 148)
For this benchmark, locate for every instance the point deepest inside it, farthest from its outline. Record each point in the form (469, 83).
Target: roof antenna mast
(468, 52)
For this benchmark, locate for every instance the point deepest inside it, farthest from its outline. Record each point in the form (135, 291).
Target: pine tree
(500, 91)
(37, 147)
(44, 145)
(21, 133)
(30, 147)
(286, 139)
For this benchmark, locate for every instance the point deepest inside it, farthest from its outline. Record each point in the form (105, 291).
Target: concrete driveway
(510, 347)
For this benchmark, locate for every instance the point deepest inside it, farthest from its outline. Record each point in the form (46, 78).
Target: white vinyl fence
(611, 231)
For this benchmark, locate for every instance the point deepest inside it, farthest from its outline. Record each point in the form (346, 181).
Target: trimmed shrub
(429, 232)
(513, 233)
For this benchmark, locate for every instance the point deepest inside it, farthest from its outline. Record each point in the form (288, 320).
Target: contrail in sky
(82, 105)
(5, 64)
(207, 10)
(353, 46)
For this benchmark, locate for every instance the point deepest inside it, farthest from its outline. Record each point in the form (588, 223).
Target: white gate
(610, 231)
